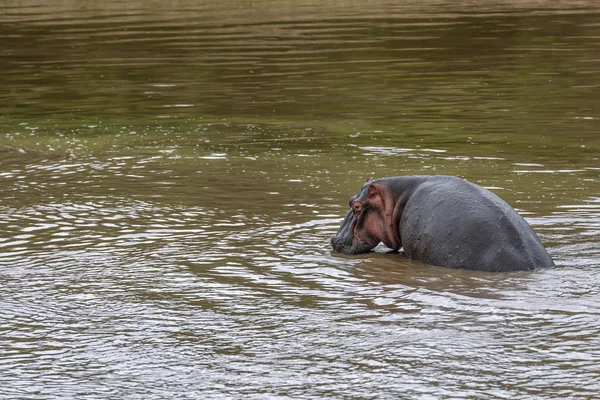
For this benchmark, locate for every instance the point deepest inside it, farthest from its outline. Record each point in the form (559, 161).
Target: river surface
(171, 174)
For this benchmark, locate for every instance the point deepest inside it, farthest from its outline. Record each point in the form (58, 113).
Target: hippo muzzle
(345, 240)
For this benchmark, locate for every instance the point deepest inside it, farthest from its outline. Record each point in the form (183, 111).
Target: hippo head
(368, 222)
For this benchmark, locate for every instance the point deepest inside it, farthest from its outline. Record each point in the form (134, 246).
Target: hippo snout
(349, 245)
(340, 245)
(334, 242)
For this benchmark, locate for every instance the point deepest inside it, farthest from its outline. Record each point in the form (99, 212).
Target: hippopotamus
(443, 221)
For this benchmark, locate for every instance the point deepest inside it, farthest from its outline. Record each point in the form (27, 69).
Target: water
(171, 175)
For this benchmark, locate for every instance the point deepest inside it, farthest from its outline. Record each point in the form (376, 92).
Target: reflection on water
(171, 175)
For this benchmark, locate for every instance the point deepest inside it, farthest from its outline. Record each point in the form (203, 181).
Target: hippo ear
(370, 179)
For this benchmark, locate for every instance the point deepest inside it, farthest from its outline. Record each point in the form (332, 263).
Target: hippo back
(450, 222)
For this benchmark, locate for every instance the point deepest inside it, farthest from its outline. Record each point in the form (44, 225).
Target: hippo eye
(357, 207)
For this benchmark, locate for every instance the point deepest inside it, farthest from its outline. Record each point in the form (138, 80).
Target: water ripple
(171, 176)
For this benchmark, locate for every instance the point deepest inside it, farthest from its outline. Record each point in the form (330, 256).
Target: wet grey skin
(443, 221)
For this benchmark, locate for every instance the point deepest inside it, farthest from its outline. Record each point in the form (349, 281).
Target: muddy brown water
(171, 174)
